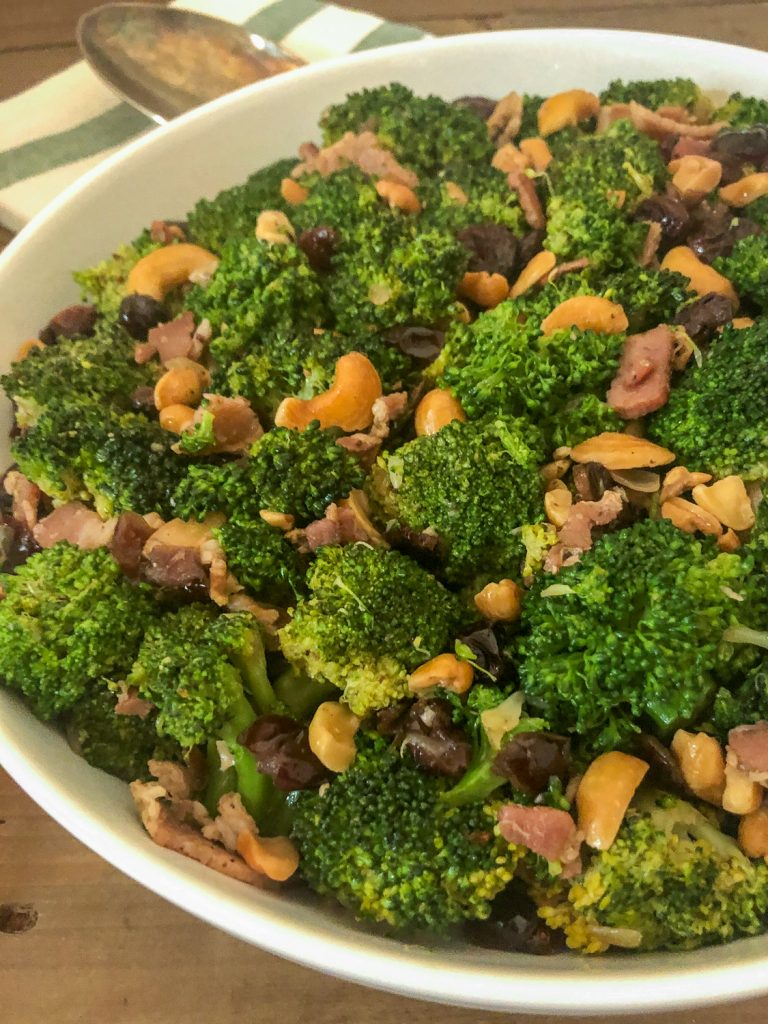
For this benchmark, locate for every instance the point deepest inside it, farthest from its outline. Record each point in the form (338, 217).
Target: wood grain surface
(103, 949)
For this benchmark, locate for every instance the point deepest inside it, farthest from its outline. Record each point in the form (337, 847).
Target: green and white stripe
(54, 132)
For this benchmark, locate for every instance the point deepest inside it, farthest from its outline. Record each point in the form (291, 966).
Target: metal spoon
(165, 61)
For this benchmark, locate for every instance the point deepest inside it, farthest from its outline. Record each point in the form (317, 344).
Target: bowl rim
(395, 966)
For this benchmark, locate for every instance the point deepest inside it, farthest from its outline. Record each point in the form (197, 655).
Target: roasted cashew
(534, 272)
(588, 313)
(346, 404)
(331, 735)
(604, 794)
(703, 278)
(565, 108)
(436, 410)
(162, 269)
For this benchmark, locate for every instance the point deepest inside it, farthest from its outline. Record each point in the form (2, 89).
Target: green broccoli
(100, 370)
(233, 213)
(473, 485)
(262, 559)
(296, 472)
(346, 201)
(671, 877)
(655, 93)
(757, 211)
(258, 289)
(381, 842)
(742, 111)
(593, 228)
(424, 133)
(104, 283)
(648, 297)
(501, 364)
(58, 635)
(747, 269)
(201, 436)
(372, 616)
(605, 655)
(744, 704)
(529, 126)
(489, 200)
(117, 460)
(716, 419)
(118, 744)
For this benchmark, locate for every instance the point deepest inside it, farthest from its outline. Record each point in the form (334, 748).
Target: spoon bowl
(165, 61)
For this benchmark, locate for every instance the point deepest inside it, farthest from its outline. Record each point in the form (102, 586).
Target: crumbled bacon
(659, 127)
(385, 409)
(173, 340)
(235, 425)
(530, 203)
(585, 515)
(25, 498)
(651, 244)
(547, 831)
(164, 232)
(687, 146)
(76, 523)
(641, 385)
(748, 744)
(364, 151)
(338, 526)
(131, 534)
(129, 703)
(610, 113)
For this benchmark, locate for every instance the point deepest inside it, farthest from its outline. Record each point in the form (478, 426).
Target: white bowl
(161, 175)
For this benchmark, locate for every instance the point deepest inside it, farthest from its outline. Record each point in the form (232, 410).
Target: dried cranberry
(427, 731)
(318, 245)
(664, 767)
(140, 313)
(702, 317)
(529, 245)
(491, 247)
(514, 925)
(485, 649)
(714, 230)
(745, 145)
(131, 533)
(668, 210)
(16, 543)
(480, 105)
(280, 746)
(143, 398)
(72, 322)
(591, 480)
(417, 342)
(530, 759)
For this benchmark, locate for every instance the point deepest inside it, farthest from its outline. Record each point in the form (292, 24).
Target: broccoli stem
(300, 694)
(251, 660)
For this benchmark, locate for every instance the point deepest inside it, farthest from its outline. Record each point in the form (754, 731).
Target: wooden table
(105, 950)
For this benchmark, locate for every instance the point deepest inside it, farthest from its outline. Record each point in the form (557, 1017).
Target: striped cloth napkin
(55, 131)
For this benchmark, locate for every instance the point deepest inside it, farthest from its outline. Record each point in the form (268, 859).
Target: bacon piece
(610, 113)
(179, 780)
(270, 619)
(131, 534)
(687, 146)
(71, 322)
(385, 409)
(230, 822)
(651, 244)
(161, 231)
(174, 833)
(364, 151)
(530, 203)
(568, 268)
(749, 745)
(642, 382)
(584, 515)
(547, 831)
(339, 526)
(658, 127)
(560, 557)
(174, 567)
(129, 703)
(76, 523)
(26, 497)
(173, 340)
(235, 425)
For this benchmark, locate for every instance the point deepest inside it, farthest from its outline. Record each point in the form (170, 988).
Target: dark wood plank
(41, 22)
(19, 69)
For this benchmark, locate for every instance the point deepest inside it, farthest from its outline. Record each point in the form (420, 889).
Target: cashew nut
(484, 289)
(702, 278)
(180, 385)
(176, 418)
(510, 158)
(753, 833)
(565, 108)
(588, 313)
(436, 410)
(557, 503)
(445, 670)
(500, 602)
(739, 323)
(346, 404)
(332, 735)
(537, 151)
(165, 268)
(456, 193)
(745, 190)
(681, 479)
(604, 794)
(554, 470)
(694, 176)
(690, 518)
(702, 764)
(399, 197)
(741, 795)
(621, 451)
(273, 856)
(26, 347)
(728, 501)
(534, 272)
(292, 192)
(273, 226)
(280, 520)
(729, 541)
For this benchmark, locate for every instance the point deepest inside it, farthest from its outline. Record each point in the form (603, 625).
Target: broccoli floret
(345, 201)
(381, 842)
(473, 485)
(233, 213)
(100, 370)
(746, 704)
(758, 212)
(529, 126)
(489, 200)
(758, 540)
(292, 471)
(302, 365)
(391, 278)
(201, 436)
(501, 366)
(606, 655)
(742, 111)
(747, 269)
(584, 417)
(58, 625)
(425, 133)
(104, 283)
(118, 460)
(258, 289)
(593, 228)
(118, 744)
(716, 419)
(670, 876)
(262, 559)
(655, 93)
(372, 616)
(648, 297)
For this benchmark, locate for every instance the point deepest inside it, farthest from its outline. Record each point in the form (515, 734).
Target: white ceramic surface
(161, 175)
